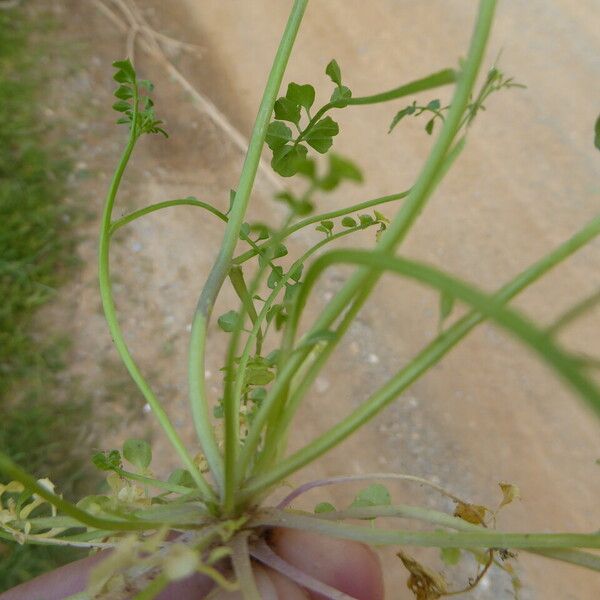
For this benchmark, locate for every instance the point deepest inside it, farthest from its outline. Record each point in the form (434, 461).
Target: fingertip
(348, 566)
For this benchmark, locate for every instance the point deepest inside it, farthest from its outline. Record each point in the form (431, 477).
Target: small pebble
(373, 358)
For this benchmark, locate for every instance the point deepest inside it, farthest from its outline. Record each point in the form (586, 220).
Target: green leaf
(366, 220)
(272, 358)
(280, 250)
(308, 168)
(340, 168)
(107, 461)
(218, 411)
(295, 272)
(286, 110)
(257, 395)
(348, 222)
(374, 495)
(324, 507)
(429, 126)
(341, 95)
(228, 321)
(258, 375)
(138, 453)
(287, 159)
(597, 133)
(304, 95)
(450, 556)
(291, 291)
(275, 277)
(121, 106)
(334, 72)
(434, 105)
(409, 110)
(278, 134)
(244, 230)
(148, 85)
(181, 477)
(126, 67)
(321, 134)
(328, 225)
(123, 92)
(380, 217)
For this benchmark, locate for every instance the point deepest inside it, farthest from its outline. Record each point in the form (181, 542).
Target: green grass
(36, 255)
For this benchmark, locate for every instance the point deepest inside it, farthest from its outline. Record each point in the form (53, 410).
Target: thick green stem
(197, 384)
(484, 538)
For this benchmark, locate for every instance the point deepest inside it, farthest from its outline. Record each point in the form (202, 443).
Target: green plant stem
(435, 517)
(242, 258)
(429, 356)
(364, 280)
(159, 206)
(155, 483)
(197, 384)
(113, 323)
(484, 538)
(242, 566)
(441, 78)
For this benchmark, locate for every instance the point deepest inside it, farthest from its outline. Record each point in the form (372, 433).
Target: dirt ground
(489, 412)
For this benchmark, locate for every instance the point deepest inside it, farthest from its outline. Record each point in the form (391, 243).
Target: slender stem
(370, 477)
(197, 384)
(113, 323)
(574, 313)
(166, 204)
(484, 538)
(441, 78)
(432, 353)
(156, 483)
(323, 217)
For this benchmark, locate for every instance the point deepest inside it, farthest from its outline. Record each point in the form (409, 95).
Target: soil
(528, 179)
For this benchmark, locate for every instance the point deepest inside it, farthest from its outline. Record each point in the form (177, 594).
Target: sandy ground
(528, 179)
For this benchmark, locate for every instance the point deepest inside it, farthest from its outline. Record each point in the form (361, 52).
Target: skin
(351, 567)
